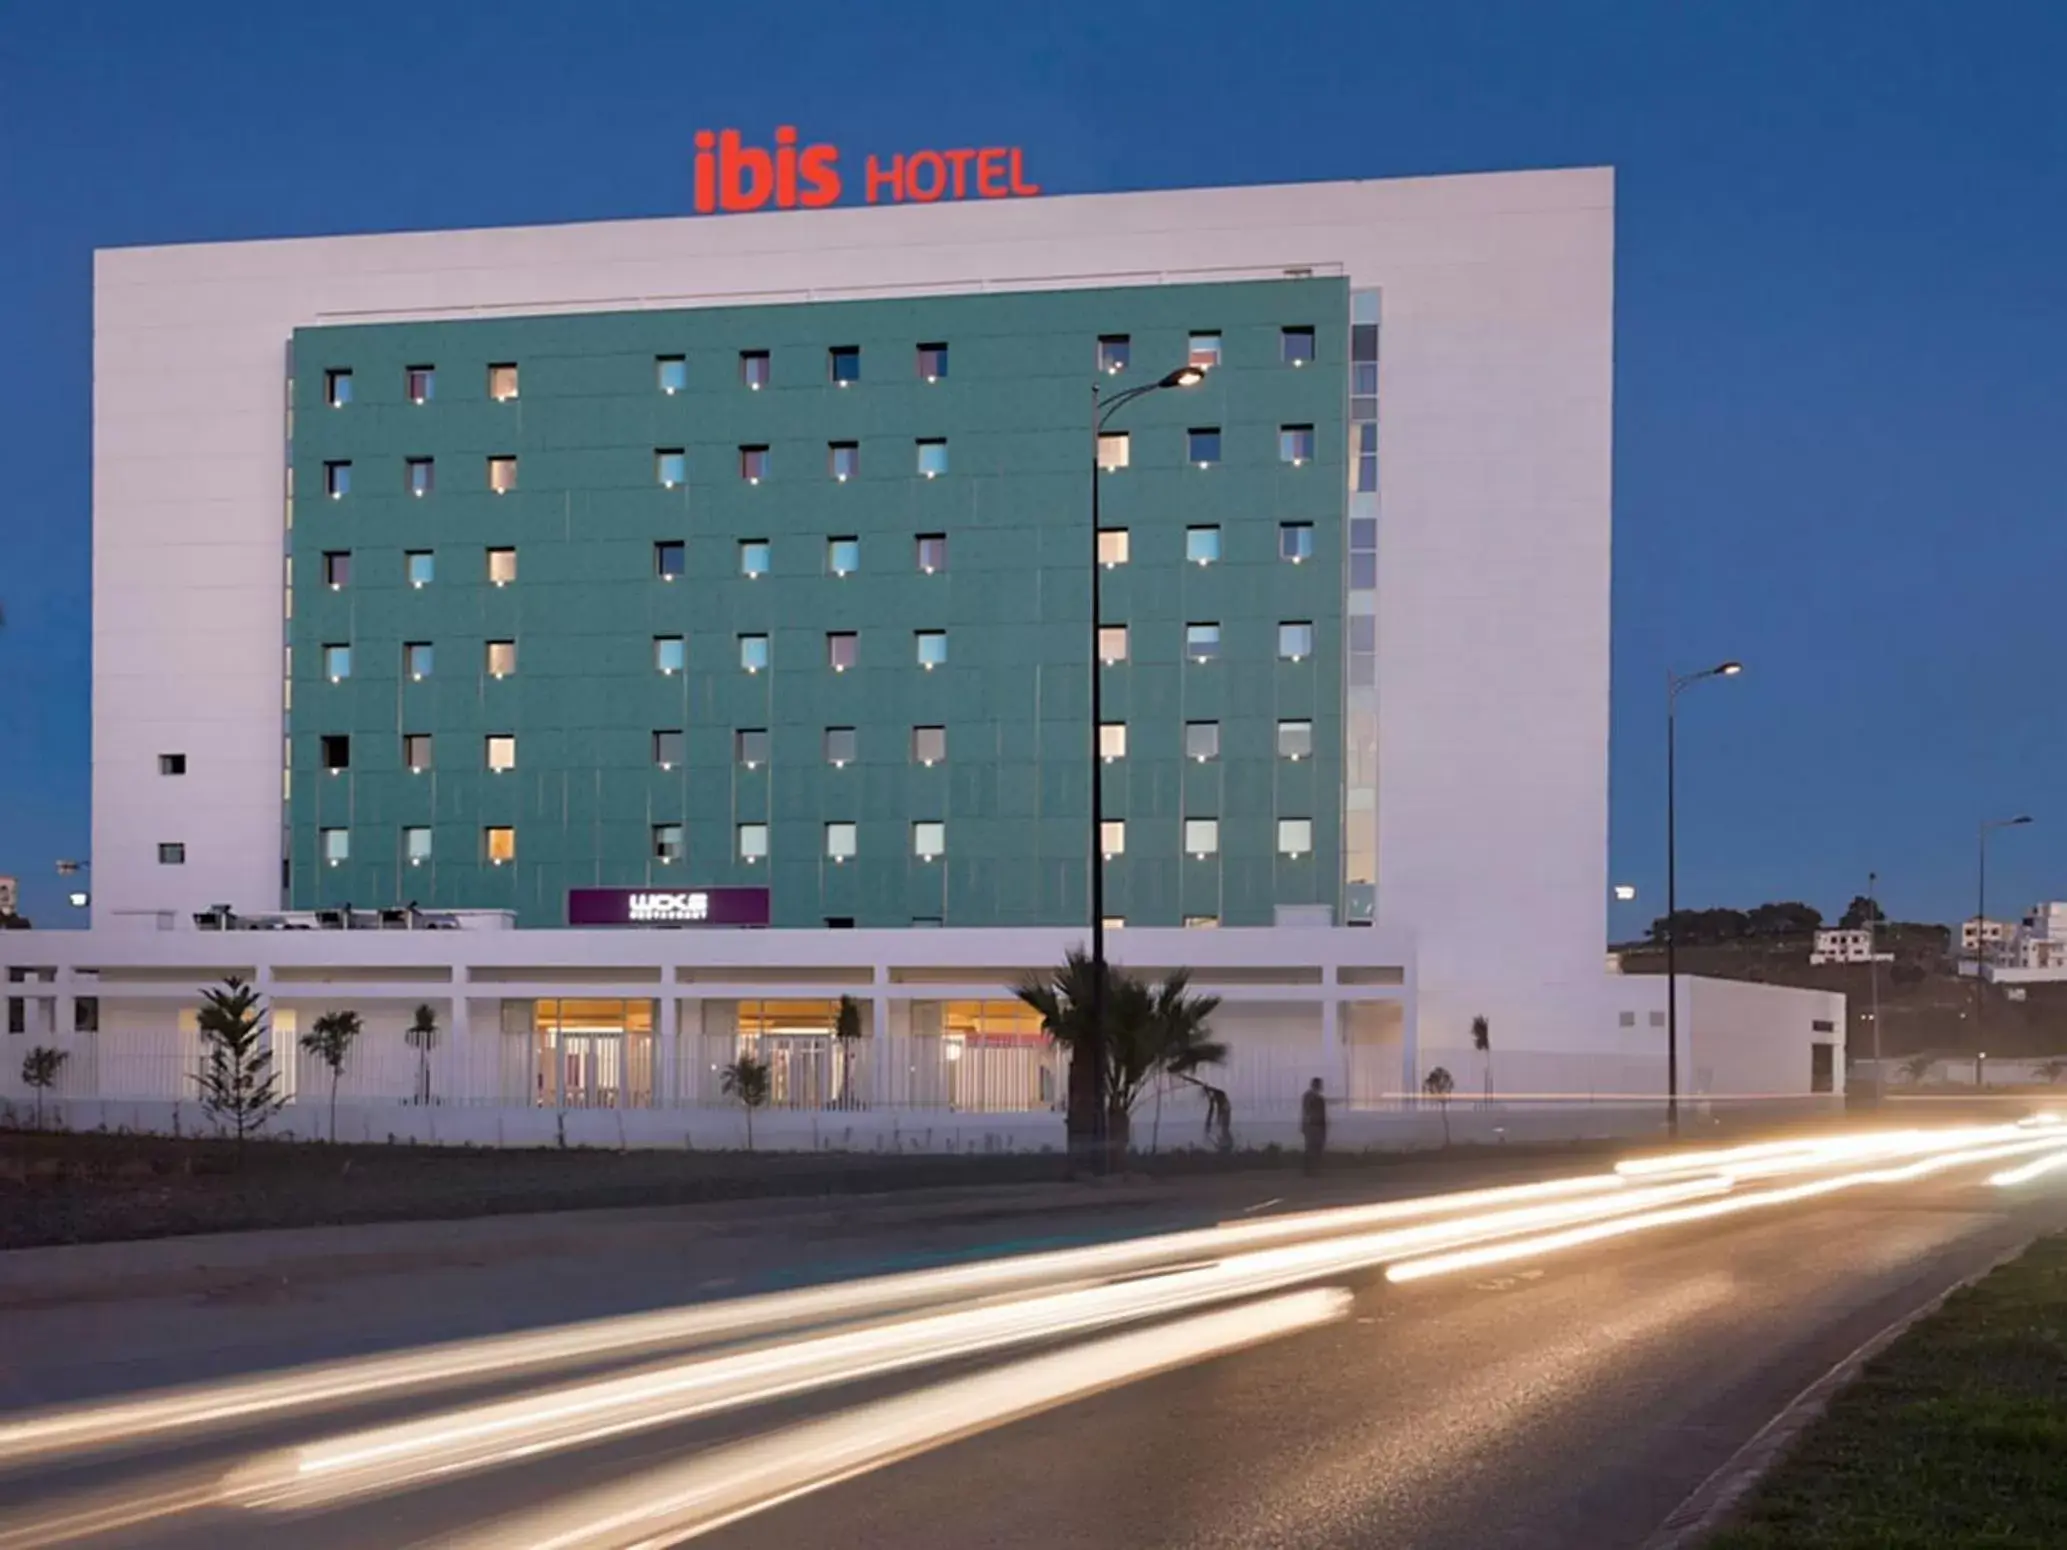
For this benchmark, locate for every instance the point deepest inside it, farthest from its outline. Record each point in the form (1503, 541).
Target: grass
(1956, 1436)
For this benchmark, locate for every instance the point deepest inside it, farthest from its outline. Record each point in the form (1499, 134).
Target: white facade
(10, 896)
(1978, 929)
(1844, 944)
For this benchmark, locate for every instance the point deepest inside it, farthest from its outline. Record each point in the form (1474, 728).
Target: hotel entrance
(594, 1054)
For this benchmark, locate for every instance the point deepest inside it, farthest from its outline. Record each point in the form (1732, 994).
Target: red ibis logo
(732, 175)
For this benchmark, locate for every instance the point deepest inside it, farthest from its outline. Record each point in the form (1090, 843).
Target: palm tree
(422, 1035)
(330, 1040)
(40, 1068)
(1063, 997)
(1482, 1041)
(847, 1029)
(747, 1080)
(2053, 1070)
(1439, 1084)
(1918, 1068)
(1188, 1047)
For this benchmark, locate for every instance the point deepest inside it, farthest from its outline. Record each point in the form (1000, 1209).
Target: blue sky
(1841, 325)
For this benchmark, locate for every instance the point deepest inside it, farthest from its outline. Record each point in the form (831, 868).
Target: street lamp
(1873, 977)
(1090, 1088)
(1674, 684)
(1981, 914)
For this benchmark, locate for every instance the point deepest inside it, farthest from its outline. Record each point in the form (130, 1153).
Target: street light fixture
(1674, 684)
(1981, 914)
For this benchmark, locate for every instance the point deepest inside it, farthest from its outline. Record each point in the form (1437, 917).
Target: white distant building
(10, 896)
(1846, 944)
(2041, 942)
(1986, 929)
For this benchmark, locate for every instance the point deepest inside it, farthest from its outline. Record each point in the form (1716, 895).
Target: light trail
(2037, 1168)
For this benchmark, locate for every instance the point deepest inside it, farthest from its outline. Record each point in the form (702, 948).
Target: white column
(1332, 1063)
(462, 1079)
(668, 1031)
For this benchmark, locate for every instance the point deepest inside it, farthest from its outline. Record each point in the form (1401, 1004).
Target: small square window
(843, 364)
(928, 744)
(1202, 445)
(172, 854)
(502, 473)
(502, 382)
(1115, 450)
(1112, 740)
(1295, 444)
(423, 475)
(1295, 346)
(1627, 1019)
(501, 752)
(1295, 542)
(502, 567)
(1202, 642)
(416, 659)
(1201, 741)
(337, 568)
(671, 467)
(840, 746)
(337, 846)
(753, 652)
(337, 386)
(928, 839)
(416, 751)
(932, 647)
(842, 649)
(932, 552)
(1201, 837)
(420, 567)
(337, 662)
(670, 653)
(1113, 547)
(750, 746)
(1201, 922)
(1112, 643)
(1295, 740)
(753, 557)
(932, 361)
(840, 841)
(753, 464)
(667, 843)
(1202, 545)
(843, 459)
(416, 845)
(1114, 352)
(336, 748)
(753, 842)
(1295, 641)
(420, 383)
(499, 842)
(668, 559)
(671, 373)
(1363, 571)
(172, 764)
(1205, 351)
(667, 749)
(502, 658)
(843, 555)
(932, 456)
(1112, 837)
(337, 480)
(754, 368)
(1295, 836)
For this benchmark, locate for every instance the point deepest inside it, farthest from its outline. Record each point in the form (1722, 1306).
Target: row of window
(842, 366)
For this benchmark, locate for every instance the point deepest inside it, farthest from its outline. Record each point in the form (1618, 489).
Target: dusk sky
(1841, 374)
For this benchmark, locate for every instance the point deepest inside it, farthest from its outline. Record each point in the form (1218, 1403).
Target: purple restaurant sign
(667, 907)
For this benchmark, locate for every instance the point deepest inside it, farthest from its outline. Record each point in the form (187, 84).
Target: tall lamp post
(1089, 1089)
(1873, 977)
(1674, 684)
(1981, 915)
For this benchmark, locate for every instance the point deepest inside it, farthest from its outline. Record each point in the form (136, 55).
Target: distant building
(1994, 933)
(1846, 944)
(2041, 942)
(10, 896)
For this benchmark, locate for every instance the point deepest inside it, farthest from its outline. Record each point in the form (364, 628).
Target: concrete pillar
(1410, 1047)
(667, 1030)
(462, 1081)
(1335, 1068)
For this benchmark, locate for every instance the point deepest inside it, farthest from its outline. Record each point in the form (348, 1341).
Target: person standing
(1313, 1123)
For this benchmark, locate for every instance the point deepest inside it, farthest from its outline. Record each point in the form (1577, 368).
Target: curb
(1714, 1499)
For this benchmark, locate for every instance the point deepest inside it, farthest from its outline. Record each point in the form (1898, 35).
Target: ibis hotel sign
(732, 175)
(667, 906)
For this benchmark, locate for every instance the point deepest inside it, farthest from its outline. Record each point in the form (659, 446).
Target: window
(932, 361)
(499, 841)
(839, 841)
(416, 659)
(422, 475)
(1114, 352)
(1627, 1019)
(1202, 445)
(416, 845)
(502, 566)
(337, 662)
(840, 745)
(753, 464)
(932, 552)
(502, 473)
(337, 567)
(843, 459)
(502, 382)
(667, 559)
(1202, 545)
(420, 383)
(671, 372)
(420, 567)
(1202, 836)
(1295, 444)
(843, 555)
(502, 752)
(1295, 542)
(336, 748)
(1295, 641)
(671, 467)
(1112, 643)
(502, 658)
(1295, 836)
(416, 751)
(1295, 346)
(753, 842)
(753, 557)
(667, 749)
(1201, 922)
(928, 839)
(337, 386)
(929, 744)
(337, 480)
(932, 456)
(172, 854)
(1205, 351)
(843, 363)
(667, 843)
(337, 846)
(1295, 740)
(1115, 449)
(1112, 740)
(172, 764)
(753, 652)
(842, 649)
(670, 653)
(932, 646)
(1201, 741)
(753, 368)
(1112, 837)
(750, 746)
(1202, 642)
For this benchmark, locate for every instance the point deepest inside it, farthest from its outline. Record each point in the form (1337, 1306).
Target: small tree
(2052, 1071)
(40, 1068)
(1439, 1084)
(422, 1036)
(237, 1081)
(1482, 1041)
(746, 1080)
(329, 1039)
(847, 1029)
(1918, 1067)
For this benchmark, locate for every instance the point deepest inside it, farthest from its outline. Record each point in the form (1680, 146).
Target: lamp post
(1981, 915)
(1089, 1089)
(1873, 977)
(1674, 684)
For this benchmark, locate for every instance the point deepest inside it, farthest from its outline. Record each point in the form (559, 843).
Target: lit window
(337, 480)
(667, 749)
(500, 843)
(1202, 445)
(1295, 346)
(1202, 836)
(337, 387)
(1295, 836)
(502, 566)
(1112, 837)
(1295, 541)
(416, 659)
(1114, 352)
(1201, 922)
(416, 845)
(671, 372)
(932, 645)
(932, 361)
(667, 559)
(172, 764)
(667, 842)
(843, 459)
(932, 456)
(843, 555)
(416, 751)
(932, 552)
(753, 464)
(840, 746)
(1295, 641)
(671, 467)
(1202, 642)
(928, 839)
(753, 842)
(1112, 740)
(1115, 449)
(337, 662)
(172, 854)
(420, 383)
(1112, 643)
(842, 649)
(1201, 740)
(750, 746)
(502, 752)
(502, 382)
(1205, 351)
(1295, 740)
(670, 653)
(753, 652)
(502, 658)
(1202, 545)
(422, 475)
(336, 751)
(337, 567)
(843, 364)
(1113, 547)
(502, 473)
(1295, 444)
(753, 368)
(337, 846)
(753, 557)
(839, 841)
(1115, 922)
(420, 567)
(929, 744)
